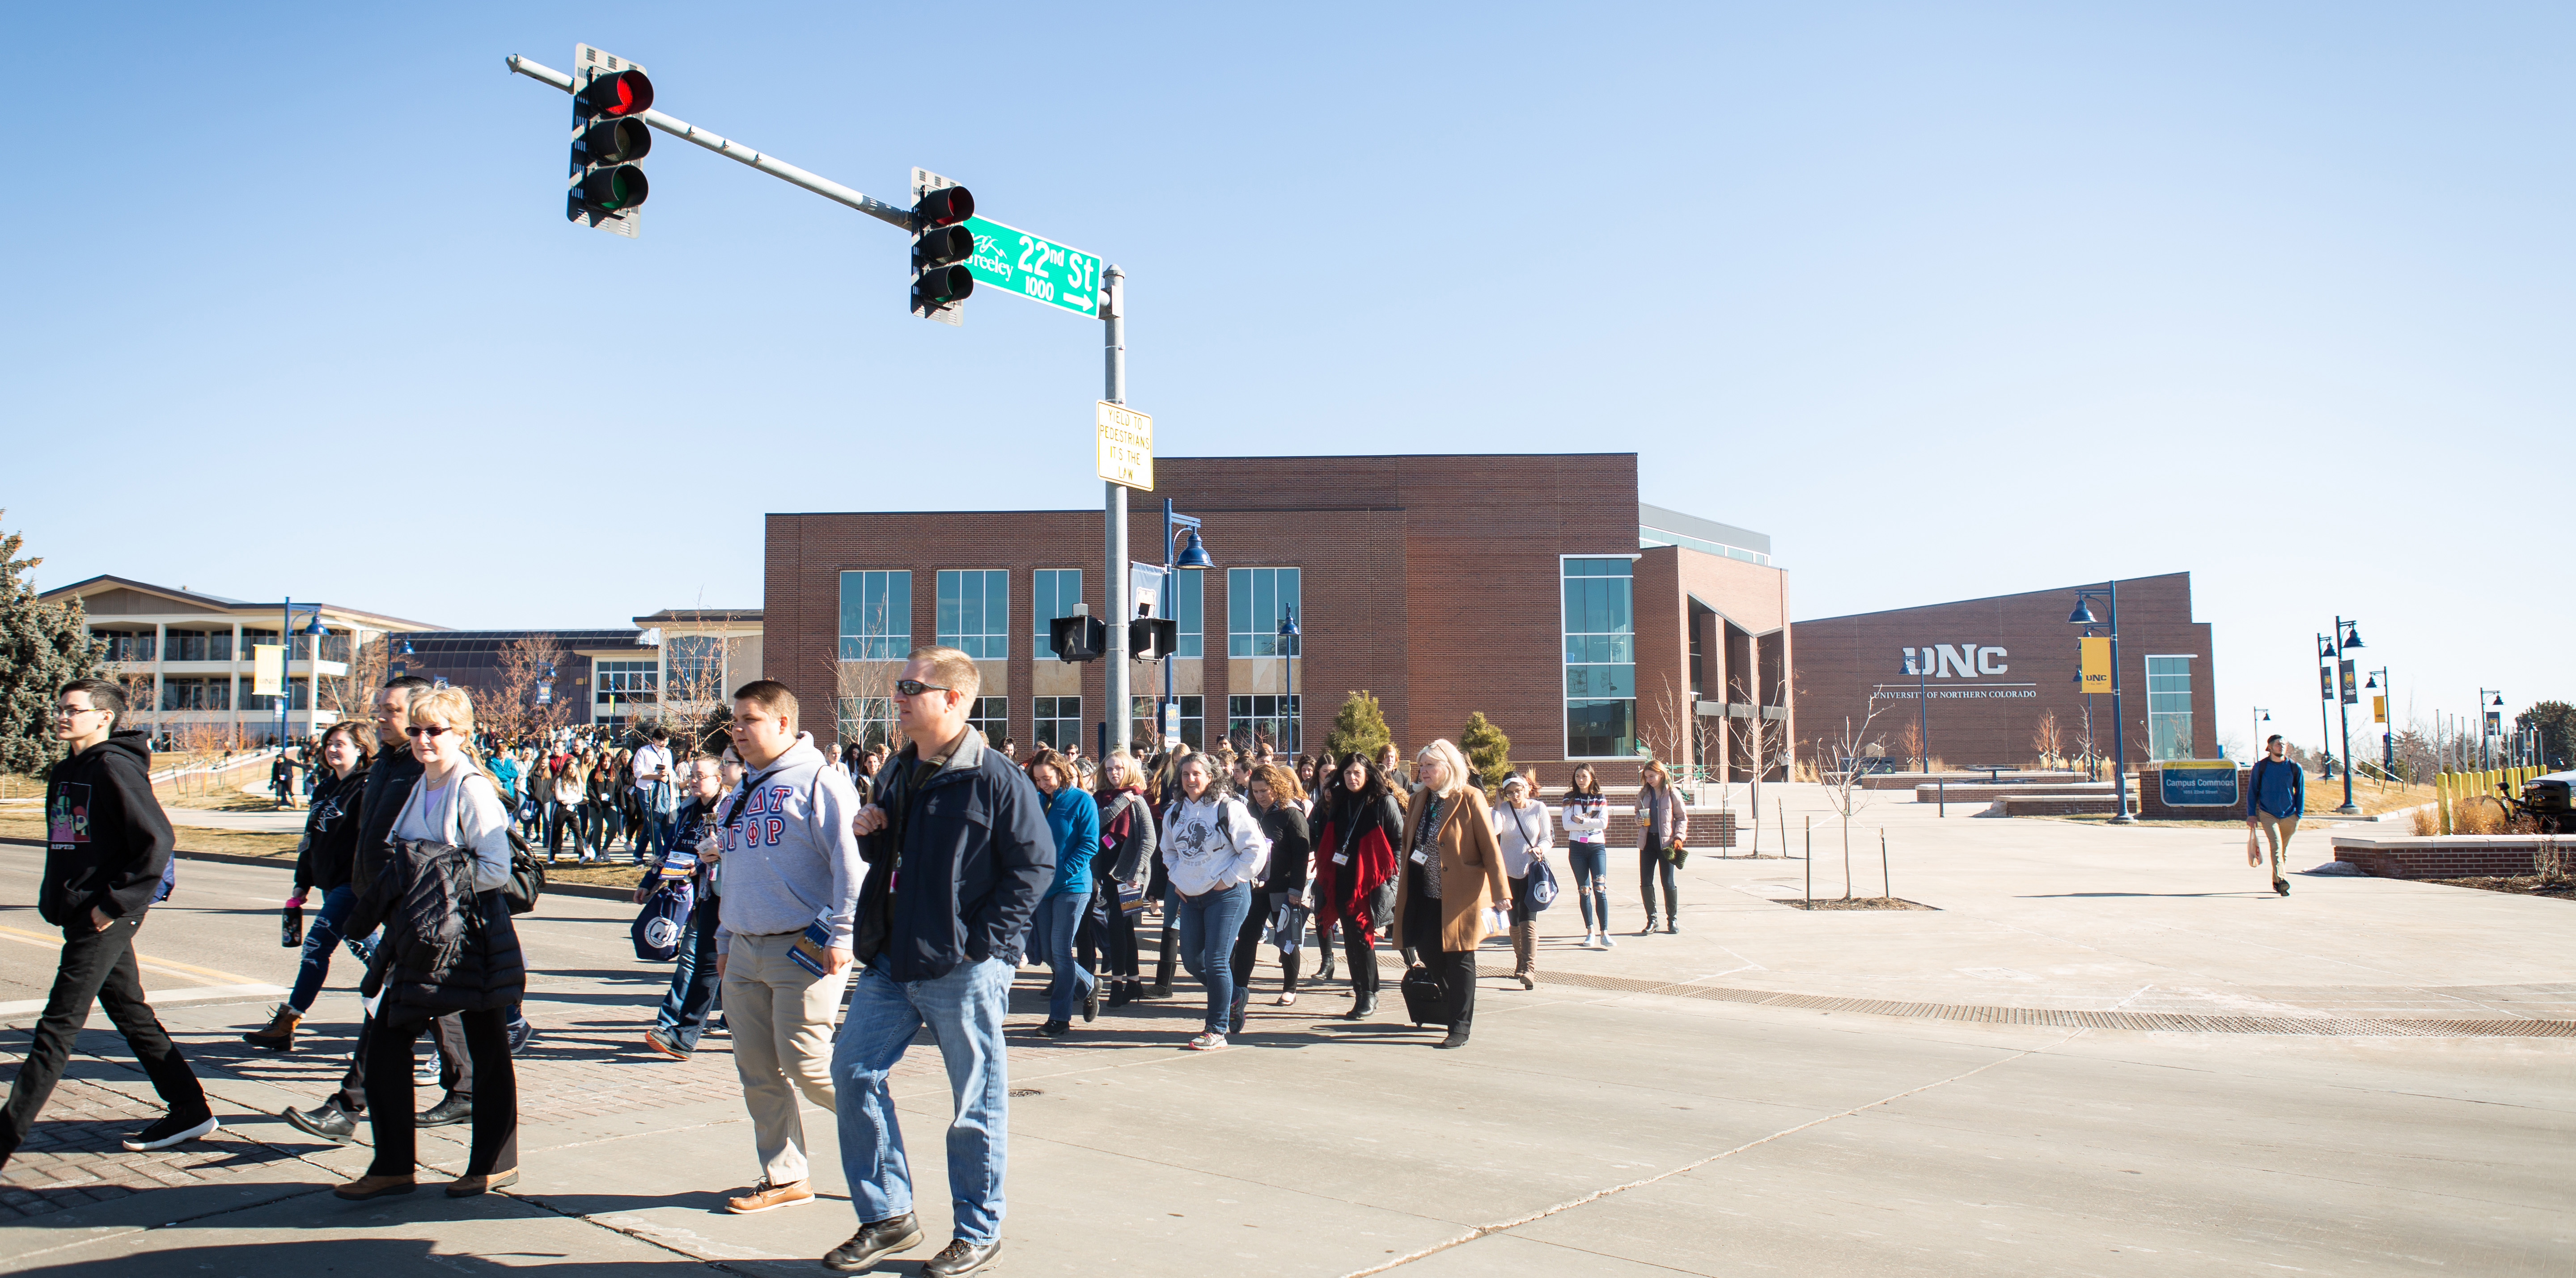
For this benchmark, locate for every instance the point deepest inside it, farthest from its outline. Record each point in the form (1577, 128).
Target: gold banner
(2379, 708)
(2096, 665)
(267, 669)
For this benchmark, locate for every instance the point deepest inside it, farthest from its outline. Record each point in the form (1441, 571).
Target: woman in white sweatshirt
(1213, 850)
(1521, 828)
(1586, 815)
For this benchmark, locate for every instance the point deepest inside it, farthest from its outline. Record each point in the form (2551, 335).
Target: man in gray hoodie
(792, 874)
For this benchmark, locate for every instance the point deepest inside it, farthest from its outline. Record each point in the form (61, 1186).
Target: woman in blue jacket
(1074, 819)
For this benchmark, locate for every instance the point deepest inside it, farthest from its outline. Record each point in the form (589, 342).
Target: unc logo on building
(1956, 661)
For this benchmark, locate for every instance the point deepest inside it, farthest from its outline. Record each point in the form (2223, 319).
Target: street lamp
(286, 663)
(2347, 636)
(2261, 717)
(2380, 683)
(1192, 555)
(2083, 616)
(2488, 710)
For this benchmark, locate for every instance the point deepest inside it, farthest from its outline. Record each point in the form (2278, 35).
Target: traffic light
(941, 243)
(609, 98)
(1078, 638)
(1150, 639)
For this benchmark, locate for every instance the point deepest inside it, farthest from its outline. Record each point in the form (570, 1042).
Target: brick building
(1533, 588)
(1989, 669)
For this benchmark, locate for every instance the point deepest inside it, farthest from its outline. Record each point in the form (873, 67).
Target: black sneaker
(1055, 1029)
(326, 1120)
(961, 1257)
(2281, 886)
(1091, 1002)
(874, 1242)
(454, 1109)
(171, 1130)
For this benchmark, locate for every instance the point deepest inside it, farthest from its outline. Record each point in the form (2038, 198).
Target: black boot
(1365, 1007)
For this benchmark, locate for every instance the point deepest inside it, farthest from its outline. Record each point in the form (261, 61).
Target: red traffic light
(617, 141)
(946, 206)
(627, 93)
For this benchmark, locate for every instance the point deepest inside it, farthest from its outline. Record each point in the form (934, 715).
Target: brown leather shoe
(366, 1187)
(765, 1197)
(469, 1186)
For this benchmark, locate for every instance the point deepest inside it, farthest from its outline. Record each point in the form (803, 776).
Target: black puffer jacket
(447, 948)
(330, 831)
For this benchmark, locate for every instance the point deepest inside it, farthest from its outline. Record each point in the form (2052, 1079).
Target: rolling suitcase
(1423, 1004)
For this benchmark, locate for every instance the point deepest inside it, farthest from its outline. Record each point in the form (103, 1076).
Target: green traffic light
(615, 189)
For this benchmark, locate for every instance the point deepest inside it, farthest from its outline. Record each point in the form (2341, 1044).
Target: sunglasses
(915, 687)
(431, 731)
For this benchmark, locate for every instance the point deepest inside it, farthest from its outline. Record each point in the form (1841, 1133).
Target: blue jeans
(694, 982)
(964, 1011)
(1591, 865)
(1051, 935)
(1208, 924)
(325, 933)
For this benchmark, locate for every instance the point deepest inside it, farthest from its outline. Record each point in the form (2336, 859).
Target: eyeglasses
(61, 712)
(915, 687)
(430, 731)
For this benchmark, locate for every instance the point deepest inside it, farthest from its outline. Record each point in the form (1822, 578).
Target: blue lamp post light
(2083, 616)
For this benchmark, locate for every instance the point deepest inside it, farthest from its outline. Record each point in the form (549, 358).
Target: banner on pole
(2096, 665)
(2379, 708)
(267, 669)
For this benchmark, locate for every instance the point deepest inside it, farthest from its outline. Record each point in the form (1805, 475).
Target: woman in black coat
(1357, 827)
(1274, 792)
(322, 863)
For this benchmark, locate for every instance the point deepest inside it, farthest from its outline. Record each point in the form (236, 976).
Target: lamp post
(1292, 650)
(2488, 709)
(2347, 636)
(2261, 717)
(286, 633)
(1193, 555)
(2083, 616)
(2325, 697)
(2379, 683)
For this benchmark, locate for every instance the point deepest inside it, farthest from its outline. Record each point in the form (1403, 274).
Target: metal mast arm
(771, 165)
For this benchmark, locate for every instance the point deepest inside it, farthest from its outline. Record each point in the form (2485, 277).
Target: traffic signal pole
(890, 214)
(1119, 729)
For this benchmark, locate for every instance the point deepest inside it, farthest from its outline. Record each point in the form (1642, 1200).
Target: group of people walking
(906, 887)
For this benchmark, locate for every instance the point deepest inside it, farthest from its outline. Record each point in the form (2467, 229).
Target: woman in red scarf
(1357, 825)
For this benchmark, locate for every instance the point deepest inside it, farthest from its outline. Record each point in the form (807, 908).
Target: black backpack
(527, 876)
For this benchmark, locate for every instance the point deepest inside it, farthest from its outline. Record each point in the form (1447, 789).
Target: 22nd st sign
(1034, 267)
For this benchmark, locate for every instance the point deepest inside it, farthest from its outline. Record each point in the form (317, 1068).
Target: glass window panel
(1189, 590)
(876, 615)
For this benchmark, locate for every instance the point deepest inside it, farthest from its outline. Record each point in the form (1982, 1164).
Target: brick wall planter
(1989, 793)
(2438, 856)
(2062, 805)
(1909, 780)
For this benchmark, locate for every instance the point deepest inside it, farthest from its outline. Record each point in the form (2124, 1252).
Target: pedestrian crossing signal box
(1079, 638)
(1149, 639)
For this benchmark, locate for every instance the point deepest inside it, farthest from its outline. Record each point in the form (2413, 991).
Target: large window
(128, 645)
(990, 716)
(1252, 720)
(975, 611)
(1053, 592)
(2169, 707)
(868, 721)
(618, 687)
(1059, 721)
(300, 695)
(1600, 659)
(1193, 720)
(694, 667)
(201, 645)
(211, 694)
(1256, 599)
(876, 615)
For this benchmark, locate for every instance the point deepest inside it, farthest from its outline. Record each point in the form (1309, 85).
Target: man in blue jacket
(958, 854)
(2274, 797)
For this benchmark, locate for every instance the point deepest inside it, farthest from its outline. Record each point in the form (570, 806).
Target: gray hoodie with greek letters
(789, 857)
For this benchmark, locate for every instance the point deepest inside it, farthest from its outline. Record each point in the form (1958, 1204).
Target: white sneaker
(425, 1073)
(1206, 1042)
(1608, 940)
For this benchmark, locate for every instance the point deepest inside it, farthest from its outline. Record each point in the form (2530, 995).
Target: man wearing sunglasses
(958, 854)
(107, 845)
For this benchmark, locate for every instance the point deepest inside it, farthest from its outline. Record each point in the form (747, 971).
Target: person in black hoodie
(107, 848)
(323, 862)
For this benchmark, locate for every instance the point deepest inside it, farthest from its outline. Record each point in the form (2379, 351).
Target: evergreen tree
(1488, 751)
(1358, 727)
(42, 647)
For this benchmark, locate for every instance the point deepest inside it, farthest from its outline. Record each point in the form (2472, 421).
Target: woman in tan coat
(1452, 873)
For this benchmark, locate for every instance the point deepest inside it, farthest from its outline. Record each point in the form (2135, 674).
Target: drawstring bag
(665, 917)
(1542, 886)
(1287, 927)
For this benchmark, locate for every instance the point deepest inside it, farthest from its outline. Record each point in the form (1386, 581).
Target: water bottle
(290, 930)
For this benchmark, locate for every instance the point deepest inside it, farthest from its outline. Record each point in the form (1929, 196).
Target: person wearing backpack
(682, 1019)
(2275, 795)
(1214, 850)
(107, 858)
(449, 949)
(1126, 850)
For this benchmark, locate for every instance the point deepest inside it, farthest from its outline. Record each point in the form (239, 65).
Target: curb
(592, 891)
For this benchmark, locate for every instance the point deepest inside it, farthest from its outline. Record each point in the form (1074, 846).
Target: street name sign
(1126, 445)
(1034, 267)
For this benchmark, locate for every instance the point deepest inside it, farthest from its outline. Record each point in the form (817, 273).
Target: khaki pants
(780, 1018)
(2277, 830)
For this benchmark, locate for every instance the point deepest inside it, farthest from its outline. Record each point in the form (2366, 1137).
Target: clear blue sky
(1952, 300)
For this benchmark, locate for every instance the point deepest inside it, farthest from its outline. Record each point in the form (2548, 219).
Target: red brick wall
(1839, 659)
(2439, 862)
(1430, 580)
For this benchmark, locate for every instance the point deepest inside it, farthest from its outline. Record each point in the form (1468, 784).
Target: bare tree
(693, 694)
(1842, 783)
(351, 695)
(524, 702)
(2048, 739)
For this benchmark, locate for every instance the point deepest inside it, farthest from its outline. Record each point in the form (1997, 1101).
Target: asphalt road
(1584, 1132)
